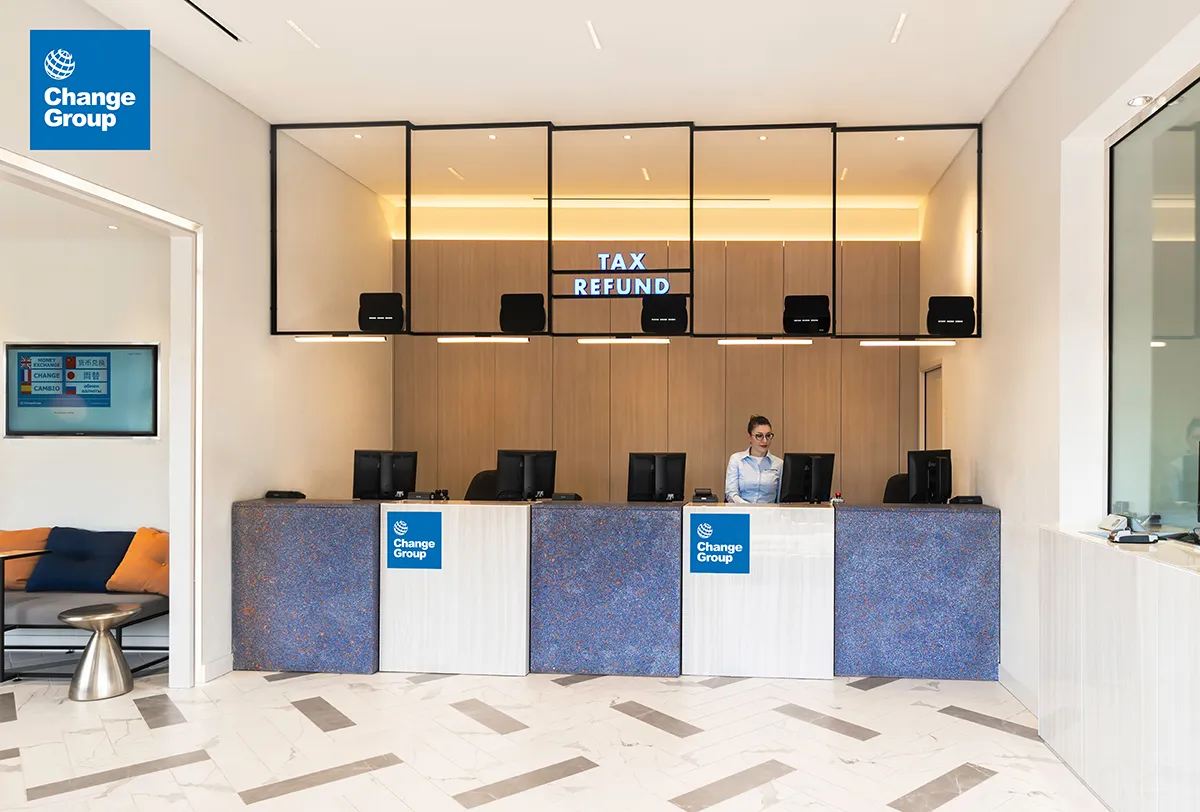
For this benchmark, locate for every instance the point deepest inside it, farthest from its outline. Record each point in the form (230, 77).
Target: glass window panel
(1155, 296)
(907, 224)
(339, 225)
(480, 224)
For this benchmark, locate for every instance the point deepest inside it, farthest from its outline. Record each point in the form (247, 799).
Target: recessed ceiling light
(454, 172)
(112, 228)
(628, 137)
(592, 31)
(1140, 101)
(1158, 344)
(306, 37)
(899, 137)
(645, 173)
(899, 27)
(492, 136)
(762, 138)
(358, 135)
(845, 169)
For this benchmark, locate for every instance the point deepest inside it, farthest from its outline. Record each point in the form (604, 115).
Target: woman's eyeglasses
(763, 437)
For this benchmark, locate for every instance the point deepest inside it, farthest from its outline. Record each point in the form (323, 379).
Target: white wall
(94, 287)
(334, 241)
(1007, 398)
(276, 414)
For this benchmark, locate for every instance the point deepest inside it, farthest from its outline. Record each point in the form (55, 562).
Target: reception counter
(605, 586)
(645, 589)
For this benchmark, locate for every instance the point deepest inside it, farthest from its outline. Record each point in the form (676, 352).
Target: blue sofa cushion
(79, 561)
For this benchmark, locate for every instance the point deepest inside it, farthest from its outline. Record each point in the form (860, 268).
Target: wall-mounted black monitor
(384, 474)
(81, 390)
(525, 474)
(929, 477)
(656, 477)
(806, 478)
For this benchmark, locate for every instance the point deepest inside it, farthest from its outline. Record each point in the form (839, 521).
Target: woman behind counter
(753, 475)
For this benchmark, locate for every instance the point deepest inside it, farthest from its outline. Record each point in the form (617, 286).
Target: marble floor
(434, 743)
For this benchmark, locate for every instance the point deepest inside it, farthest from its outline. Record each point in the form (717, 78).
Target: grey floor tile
(993, 722)
(943, 789)
(8, 708)
(526, 781)
(317, 779)
(731, 786)
(322, 714)
(491, 718)
(159, 711)
(420, 679)
(575, 679)
(828, 722)
(5, 755)
(676, 727)
(118, 774)
(721, 682)
(282, 675)
(868, 683)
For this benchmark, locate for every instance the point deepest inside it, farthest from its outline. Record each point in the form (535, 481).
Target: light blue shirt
(753, 479)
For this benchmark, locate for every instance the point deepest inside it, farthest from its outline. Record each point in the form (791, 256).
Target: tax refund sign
(720, 543)
(89, 90)
(414, 540)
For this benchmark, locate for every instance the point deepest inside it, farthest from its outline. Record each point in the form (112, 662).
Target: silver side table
(102, 672)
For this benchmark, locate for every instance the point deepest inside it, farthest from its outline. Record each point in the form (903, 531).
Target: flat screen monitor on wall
(81, 390)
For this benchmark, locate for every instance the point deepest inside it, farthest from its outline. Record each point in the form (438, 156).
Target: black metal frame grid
(693, 128)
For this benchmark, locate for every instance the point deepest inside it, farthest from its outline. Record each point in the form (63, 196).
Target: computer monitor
(656, 477)
(525, 474)
(806, 478)
(929, 477)
(384, 474)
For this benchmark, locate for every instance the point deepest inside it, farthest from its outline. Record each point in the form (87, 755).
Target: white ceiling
(706, 61)
(33, 214)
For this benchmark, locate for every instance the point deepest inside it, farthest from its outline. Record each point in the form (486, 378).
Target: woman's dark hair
(757, 420)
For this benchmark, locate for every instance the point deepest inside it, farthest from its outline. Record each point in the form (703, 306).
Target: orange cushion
(16, 573)
(144, 568)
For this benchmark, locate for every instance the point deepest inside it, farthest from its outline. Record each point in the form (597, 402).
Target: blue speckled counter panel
(605, 591)
(918, 592)
(306, 586)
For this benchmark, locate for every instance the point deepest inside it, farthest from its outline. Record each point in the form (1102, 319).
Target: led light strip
(921, 342)
(336, 339)
(483, 340)
(624, 341)
(761, 342)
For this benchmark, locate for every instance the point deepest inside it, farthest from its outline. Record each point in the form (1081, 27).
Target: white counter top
(1169, 553)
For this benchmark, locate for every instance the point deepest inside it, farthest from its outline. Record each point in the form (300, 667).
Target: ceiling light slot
(224, 29)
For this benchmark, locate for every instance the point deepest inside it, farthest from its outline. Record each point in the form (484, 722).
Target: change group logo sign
(414, 540)
(720, 543)
(89, 90)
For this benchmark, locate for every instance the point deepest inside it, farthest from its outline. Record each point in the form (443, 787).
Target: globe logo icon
(400, 527)
(704, 530)
(59, 64)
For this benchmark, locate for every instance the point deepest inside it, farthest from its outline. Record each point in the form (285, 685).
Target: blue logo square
(720, 543)
(89, 90)
(414, 540)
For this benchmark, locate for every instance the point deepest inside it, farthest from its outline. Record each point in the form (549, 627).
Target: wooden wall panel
(912, 309)
(753, 385)
(520, 268)
(637, 408)
(812, 401)
(753, 287)
(696, 410)
(869, 288)
(581, 418)
(466, 427)
(870, 420)
(467, 298)
(423, 307)
(399, 269)
(581, 316)
(416, 425)
(709, 302)
(808, 268)
(524, 395)
(910, 405)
